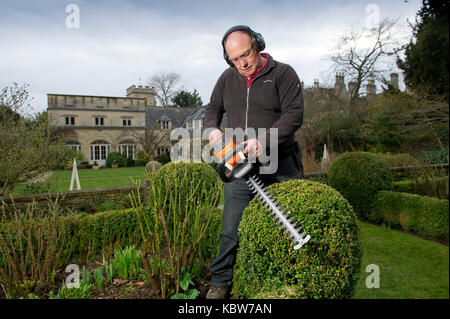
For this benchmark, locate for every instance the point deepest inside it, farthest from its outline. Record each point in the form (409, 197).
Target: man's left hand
(253, 148)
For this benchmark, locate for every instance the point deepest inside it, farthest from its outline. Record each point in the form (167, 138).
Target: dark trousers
(237, 198)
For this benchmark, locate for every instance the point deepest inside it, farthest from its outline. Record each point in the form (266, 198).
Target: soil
(118, 289)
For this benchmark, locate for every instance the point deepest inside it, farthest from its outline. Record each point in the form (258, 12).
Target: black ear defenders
(257, 40)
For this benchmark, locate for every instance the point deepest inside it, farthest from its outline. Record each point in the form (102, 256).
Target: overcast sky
(120, 43)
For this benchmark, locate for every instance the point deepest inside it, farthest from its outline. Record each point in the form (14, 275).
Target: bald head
(237, 39)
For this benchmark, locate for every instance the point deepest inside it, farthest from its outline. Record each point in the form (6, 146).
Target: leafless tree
(165, 86)
(365, 53)
(149, 139)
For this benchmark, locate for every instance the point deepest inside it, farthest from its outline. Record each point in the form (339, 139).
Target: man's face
(242, 53)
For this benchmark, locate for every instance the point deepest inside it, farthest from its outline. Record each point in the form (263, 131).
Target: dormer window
(165, 125)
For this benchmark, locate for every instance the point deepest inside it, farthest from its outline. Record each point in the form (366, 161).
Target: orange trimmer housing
(232, 162)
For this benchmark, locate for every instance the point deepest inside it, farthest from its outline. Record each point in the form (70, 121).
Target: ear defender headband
(257, 40)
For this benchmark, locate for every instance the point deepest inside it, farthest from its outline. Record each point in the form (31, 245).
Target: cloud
(120, 42)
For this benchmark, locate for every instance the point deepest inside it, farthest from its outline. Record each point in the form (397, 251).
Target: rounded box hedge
(327, 266)
(359, 176)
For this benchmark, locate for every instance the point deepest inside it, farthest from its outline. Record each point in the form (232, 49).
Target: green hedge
(434, 187)
(103, 232)
(90, 236)
(424, 215)
(358, 176)
(435, 157)
(399, 159)
(328, 266)
(122, 161)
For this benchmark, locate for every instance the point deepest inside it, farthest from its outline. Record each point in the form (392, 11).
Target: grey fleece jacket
(274, 99)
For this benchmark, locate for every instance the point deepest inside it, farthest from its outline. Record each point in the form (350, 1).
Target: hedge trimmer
(234, 164)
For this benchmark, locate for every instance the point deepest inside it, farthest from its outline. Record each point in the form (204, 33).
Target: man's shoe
(218, 292)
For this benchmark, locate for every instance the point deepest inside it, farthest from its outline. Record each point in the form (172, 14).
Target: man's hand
(214, 135)
(253, 148)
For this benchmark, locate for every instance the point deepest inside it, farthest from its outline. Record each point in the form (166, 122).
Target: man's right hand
(214, 135)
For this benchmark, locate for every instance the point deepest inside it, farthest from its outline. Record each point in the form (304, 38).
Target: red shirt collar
(250, 80)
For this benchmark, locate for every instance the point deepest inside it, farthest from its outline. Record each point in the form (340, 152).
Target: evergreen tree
(425, 65)
(187, 99)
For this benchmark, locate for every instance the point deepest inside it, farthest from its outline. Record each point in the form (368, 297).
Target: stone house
(98, 125)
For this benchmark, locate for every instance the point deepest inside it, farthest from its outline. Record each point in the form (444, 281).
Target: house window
(165, 125)
(163, 150)
(126, 121)
(99, 151)
(99, 121)
(70, 120)
(74, 146)
(128, 150)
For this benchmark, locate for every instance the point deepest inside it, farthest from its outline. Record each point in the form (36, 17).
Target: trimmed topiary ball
(359, 176)
(152, 167)
(192, 180)
(328, 266)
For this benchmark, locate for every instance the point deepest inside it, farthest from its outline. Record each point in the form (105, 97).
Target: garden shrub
(189, 188)
(193, 179)
(105, 231)
(31, 249)
(152, 167)
(163, 158)
(121, 160)
(422, 214)
(177, 218)
(209, 244)
(399, 159)
(433, 187)
(358, 176)
(142, 158)
(327, 266)
(435, 157)
(86, 237)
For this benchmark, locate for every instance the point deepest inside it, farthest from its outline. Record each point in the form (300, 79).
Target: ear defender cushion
(257, 40)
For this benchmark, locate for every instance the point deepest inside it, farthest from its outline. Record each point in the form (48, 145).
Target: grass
(89, 178)
(410, 267)
(105, 177)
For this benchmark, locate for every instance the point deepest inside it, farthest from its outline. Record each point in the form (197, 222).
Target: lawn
(409, 267)
(89, 178)
(105, 177)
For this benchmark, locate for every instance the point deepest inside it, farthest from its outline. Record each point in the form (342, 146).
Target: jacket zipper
(248, 93)
(246, 112)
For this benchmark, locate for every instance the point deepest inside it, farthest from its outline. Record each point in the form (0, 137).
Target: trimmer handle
(220, 169)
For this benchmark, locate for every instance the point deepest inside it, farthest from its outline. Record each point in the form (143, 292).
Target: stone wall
(82, 200)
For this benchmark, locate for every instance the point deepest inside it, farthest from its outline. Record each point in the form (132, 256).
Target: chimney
(371, 88)
(316, 83)
(394, 80)
(351, 87)
(339, 86)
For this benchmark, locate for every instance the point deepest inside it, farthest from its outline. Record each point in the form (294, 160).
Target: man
(255, 92)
